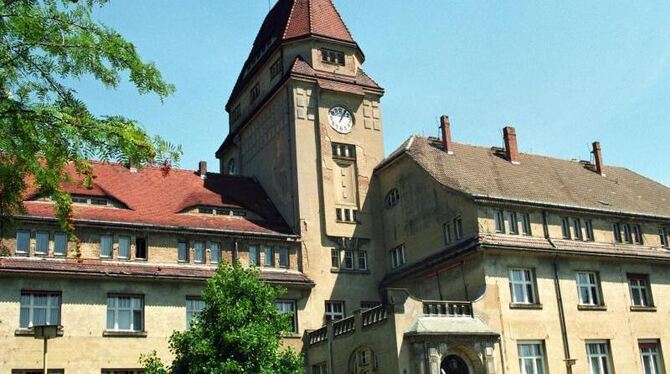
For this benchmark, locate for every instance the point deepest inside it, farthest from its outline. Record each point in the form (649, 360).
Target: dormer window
(332, 57)
(222, 211)
(92, 200)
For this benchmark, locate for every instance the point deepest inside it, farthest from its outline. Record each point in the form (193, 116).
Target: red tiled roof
(301, 67)
(99, 268)
(155, 199)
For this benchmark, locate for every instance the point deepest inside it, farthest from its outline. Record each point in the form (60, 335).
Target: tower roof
(290, 20)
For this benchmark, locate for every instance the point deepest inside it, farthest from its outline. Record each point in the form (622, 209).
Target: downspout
(236, 251)
(559, 299)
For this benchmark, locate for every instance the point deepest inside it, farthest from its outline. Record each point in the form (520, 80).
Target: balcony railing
(344, 326)
(448, 308)
(318, 336)
(375, 315)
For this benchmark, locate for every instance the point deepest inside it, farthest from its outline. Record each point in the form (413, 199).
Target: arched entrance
(453, 364)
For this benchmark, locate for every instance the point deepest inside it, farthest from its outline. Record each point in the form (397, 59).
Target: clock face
(340, 120)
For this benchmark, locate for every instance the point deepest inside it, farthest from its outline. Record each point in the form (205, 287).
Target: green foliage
(238, 332)
(43, 125)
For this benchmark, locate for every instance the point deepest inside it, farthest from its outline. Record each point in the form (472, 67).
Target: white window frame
(254, 255)
(526, 286)
(652, 356)
(588, 226)
(60, 237)
(42, 243)
(28, 307)
(577, 228)
(288, 306)
(591, 286)
(268, 254)
(599, 357)
(348, 260)
(335, 260)
(284, 258)
(334, 310)
(499, 218)
(537, 358)
(362, 260)
(635, 284)
(182, 251)
(566, 228)
(22, 236)
(397, 256)
(136, 306)
(102, 246)
(214, 252)
(513, 222)
(121, 254)
(194, 306)
(199, 252)
(525, 224)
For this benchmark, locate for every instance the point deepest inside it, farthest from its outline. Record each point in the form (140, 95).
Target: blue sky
(563, 73)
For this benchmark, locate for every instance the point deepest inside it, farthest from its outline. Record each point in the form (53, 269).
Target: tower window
(392, 198)
(332, 57)
(344, 151)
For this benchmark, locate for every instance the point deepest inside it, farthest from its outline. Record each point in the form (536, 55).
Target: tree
(239, 331)
(43, 125)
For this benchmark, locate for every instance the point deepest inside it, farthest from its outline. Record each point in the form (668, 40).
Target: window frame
(111, 246)
(254, 255)
(199, 254)
(333, 57)
(186, 251)
(31, 307)
(657, 355)
(27, 249)
(284, 257)
(616, 230)
(646, 288)
(539, 360)
(566, 228)
(212, 258)
(513, 222)
(588, 228)
(603, 356)
(577, 228)
(664, 235)
(116, 309)
(526, 228)
(294, 312)
(120, 255)
(57, 251)
(362, 255)
(529, 296)
(331, 315)
(41, 235)
(397, 256)
(141, 244)
(458, 228)
(268, 253)
(593, 288)
(446, 228)
(335, 259)
(499, 218)
(191, 312)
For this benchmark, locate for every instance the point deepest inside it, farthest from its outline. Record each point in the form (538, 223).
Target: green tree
(238, 332)
(44, 126)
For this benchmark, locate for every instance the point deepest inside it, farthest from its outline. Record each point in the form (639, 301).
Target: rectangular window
(588, 225)
(640, 293)
(283, 257)
(397, 255)
(664, 234)
(577, 228)
(588, 288)
(531, 357)
(458, 228)
(214, 252)
(522, 286)
(288, 306)
(106, 246)
(254, 256)
(334, 310)
(637, 234)
(652, 359)
(344, 151)
(268, 257)
(627, 233)
(500, 221)
(60, 244)
(332, 57)
(565, 228)
(39, 308)
(598, 355)
(255, 92)
(348, 262)
(525, 224)
(321, 368)
(362, 260)
(182, 251)
(124, 247)
(41, 243)
(513, 223)
(199, 249)
(125, 313)
(616, 229)
(22, 242)
(141, 248)
(448, 238)
(275, 69)
(194, 306)
(335, 258)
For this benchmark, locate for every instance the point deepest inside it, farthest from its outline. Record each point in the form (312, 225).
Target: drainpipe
(559, 299)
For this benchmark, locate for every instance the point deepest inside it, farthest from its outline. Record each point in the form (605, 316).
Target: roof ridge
(309, 17)
(288, 21)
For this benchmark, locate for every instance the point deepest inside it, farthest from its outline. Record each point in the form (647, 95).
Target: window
(347, 215)
(124, 247)
(458, 228)
(215, 252)
(652, 359)
(22, 242)
(236, 113)
(448, 236)
(320, 368)
(588, 225)
(616, 228)
(106, 246)
(397, 256)
(588, 288)
(362, 260)
(141, 248)
(288, 306)
(664, 233)
(500, 221)
(332, 57)
(334, 310)
(344, 151)
(39, 308)
(637, 234)
(627, 233)
(335, 258)
(255, 92)
(194, 306)
(577, 228)
(182, 251)
(125, 313)
(275, 69)
(348, 262)
(283, 257)
(525, 224)
(124, 371)
(640, 292)
(40, 371)
(565, 228)
(531, 357)
(199, 249)
(598, 355)
(522, 285)
(513, 223)
(41, 243)
(232, 170)
(268, 257)
(60, 244)
(392, 198)
(254, 256)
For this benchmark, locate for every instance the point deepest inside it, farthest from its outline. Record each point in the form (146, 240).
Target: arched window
(232, 170)
(363, 361)
(392, 198)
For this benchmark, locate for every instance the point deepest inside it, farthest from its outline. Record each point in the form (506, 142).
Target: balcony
(436, 308)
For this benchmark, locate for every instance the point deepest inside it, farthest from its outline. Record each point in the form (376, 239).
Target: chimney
(445, 127)
(511, 148)
(598, 156)
(202, 169)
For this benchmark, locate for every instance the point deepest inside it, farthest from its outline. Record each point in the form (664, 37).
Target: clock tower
(305, 121)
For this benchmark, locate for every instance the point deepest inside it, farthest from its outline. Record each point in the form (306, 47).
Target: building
(440, 258)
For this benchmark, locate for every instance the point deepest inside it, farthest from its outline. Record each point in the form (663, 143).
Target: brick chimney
(511, 148)
(202, 169)
(445, 127)
(598, 156)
